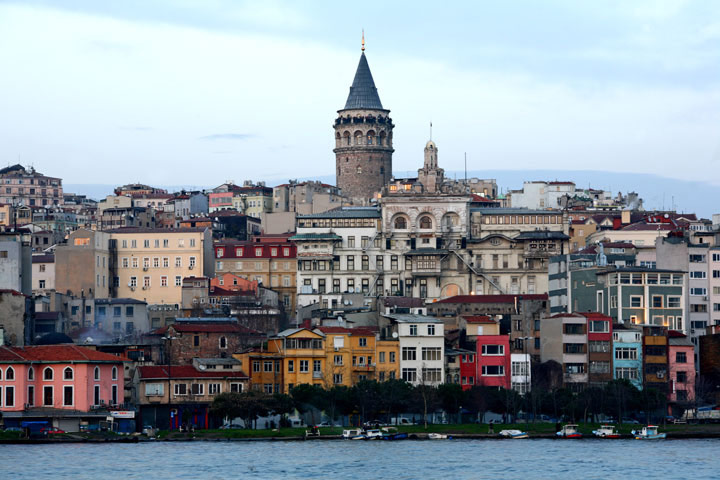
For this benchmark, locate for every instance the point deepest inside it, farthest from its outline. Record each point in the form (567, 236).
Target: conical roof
(363, 93)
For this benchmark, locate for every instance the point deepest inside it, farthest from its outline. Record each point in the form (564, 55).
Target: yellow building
(388, 360)
(151, 262)
(304, 356)
(351, 355)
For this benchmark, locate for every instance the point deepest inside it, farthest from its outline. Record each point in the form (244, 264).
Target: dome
(430, 145)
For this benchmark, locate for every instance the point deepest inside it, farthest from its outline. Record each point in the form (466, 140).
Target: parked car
(630, 420)
(51, 430)
(231, 426)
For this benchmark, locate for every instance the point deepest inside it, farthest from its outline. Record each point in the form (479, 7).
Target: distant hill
(657, 192)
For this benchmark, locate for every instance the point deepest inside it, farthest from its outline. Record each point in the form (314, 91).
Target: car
(51, 430)
(324, 424)
(231, 426)
(630, 420)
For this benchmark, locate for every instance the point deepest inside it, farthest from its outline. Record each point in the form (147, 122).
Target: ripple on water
(456, 459)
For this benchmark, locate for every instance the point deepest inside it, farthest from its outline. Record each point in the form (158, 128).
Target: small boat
(513, 434)
(391, 433)
(606, 431)
(648, 433)
(569, 431)
(373, 434)
(437, 436)
(353, 434)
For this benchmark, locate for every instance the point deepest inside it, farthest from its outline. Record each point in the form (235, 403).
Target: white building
(422, 348)
(521, 379)
(540, 195)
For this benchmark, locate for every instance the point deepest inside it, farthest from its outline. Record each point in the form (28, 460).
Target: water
(452, 459)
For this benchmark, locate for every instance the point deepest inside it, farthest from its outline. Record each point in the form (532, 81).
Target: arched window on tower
(358, 138)
(347, 138)
(358, 169)
(370, 137)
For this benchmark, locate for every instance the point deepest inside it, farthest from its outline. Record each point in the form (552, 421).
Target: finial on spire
(363, 40)
(431, 131)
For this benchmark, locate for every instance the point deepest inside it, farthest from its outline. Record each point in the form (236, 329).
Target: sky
(188, 92)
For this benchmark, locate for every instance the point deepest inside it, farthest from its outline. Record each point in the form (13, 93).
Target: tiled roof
(363, 93)
(56, 353)
(492, 298)
(185, 371)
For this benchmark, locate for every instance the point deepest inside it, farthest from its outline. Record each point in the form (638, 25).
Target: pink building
(681, 360)
(54, 382)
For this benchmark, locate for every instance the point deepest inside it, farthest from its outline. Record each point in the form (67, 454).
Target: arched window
(400, 223)
(97, 373)
(10, 374)
(31, 373)
(370, 137)
(114, 373)
(425, 222)
(358, 137)
(223, 342)
(347, 138)
(48, 373)
(358, 169)
(68, 373)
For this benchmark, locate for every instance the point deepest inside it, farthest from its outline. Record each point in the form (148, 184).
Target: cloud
(227, 136)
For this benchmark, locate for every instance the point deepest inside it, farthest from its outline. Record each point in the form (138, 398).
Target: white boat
(513, 434)
(437, 436)
(606, 431)
(373, 434)
(648, 433)
(569, 430)
(352, 434)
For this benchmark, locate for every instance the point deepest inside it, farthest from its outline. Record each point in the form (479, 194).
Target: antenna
(363, 40)
(431, 130)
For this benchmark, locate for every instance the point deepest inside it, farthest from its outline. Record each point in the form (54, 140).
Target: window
(214, 388)
(413, 330)
(493, 370)
(599, 326)
(431, 330)
(151, 390)
(48, 373)
(351, 262)
(574, 348)
(97, 373)
(626, 353)
(10, 396)
(223, 342)
(400, 223)
(409, 374)
(192, 262)
(673, 302)
(392, 357)
(337, 378)
(432, 375)
(197, 389)
(180, 389)
(351, 241)
(31, 395)
(362, 341)
(431, 353)
(636, 301)
(425, 222)
(695, 258)
(267, 366)
(626, 373)
(698, 291)
(178, 281)
(114, 373)
(236, 387)
(68, 396)
(599, 367)
(680, 357)
(48, 399)
(698, 274)
(31, 373)
(599, 346)
(681, 377)
(304, 366)
(317, 366)
(68, 373)
(338, 360)
(574, 368)
(409, 353)
(493, 349)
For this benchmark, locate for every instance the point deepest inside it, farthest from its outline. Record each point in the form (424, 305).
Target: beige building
(151, 263)
(511, 248)
(82, 265)
(43, 273)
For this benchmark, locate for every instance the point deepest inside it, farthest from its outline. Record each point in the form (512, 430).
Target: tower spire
(363, 40)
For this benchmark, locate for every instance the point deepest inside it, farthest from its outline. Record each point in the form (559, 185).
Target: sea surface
(409, 459)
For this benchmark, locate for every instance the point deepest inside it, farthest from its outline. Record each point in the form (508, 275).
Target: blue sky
(199, 92)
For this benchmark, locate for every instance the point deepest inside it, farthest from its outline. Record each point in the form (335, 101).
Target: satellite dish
(202, 367)
(395, 335)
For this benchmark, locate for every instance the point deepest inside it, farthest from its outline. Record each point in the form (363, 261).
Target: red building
(681, 363)
(599, 348)
(493, 358)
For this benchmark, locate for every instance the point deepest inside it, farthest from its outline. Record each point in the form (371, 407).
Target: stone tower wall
(363, 152)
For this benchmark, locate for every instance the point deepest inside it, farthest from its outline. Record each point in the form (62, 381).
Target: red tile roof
(492, 298)
(479, 319)
(596, 316)
(57, 353)
(185, 371)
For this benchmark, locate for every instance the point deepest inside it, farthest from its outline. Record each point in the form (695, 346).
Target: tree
(309, 398)
(451, 397)
(365, 396)
(248, 406)
(394, 396)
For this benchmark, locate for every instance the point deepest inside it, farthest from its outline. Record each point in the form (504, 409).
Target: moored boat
(648, 433)
(353, 434)
(606, 431)
(391, 433)
(513, 434)
(569, 430)
(437, 436)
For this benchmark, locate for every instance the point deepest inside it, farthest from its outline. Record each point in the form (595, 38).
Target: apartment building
(84, 265)
(421, 344)
(29, 187)
(511, 248)
(151, 263)
(352, 355)
(270, 261)
(565, 341)
(627, 354)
